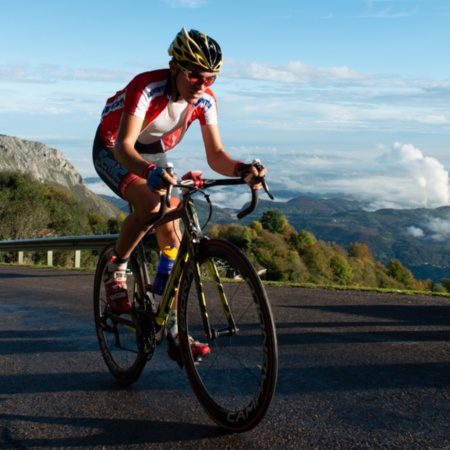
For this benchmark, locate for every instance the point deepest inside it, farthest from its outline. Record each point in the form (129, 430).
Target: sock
(172, 323)
(120, 261)
(117, 264)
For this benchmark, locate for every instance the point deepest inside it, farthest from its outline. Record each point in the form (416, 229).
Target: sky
(335, 97)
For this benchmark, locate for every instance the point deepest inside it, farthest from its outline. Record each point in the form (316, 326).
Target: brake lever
(266, 188)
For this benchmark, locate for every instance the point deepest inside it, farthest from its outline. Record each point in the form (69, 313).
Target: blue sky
(334, 96)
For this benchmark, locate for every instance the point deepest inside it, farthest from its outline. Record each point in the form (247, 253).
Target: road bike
(221, 300)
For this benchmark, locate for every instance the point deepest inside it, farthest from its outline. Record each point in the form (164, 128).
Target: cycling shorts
(112, 173)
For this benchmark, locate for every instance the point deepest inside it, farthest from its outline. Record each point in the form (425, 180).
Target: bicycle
(220, 298)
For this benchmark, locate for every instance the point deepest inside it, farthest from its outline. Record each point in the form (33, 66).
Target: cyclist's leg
(117, 178)
(134, 227)
(133, 189)
(124, 350)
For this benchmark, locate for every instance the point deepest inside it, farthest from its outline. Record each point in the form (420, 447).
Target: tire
(119, 344)
(235, 383)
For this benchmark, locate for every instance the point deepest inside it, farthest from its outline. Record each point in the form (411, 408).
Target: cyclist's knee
(168, 234)
(142, 199)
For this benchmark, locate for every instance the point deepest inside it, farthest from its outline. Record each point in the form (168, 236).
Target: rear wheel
(236, 381)
(120, 343)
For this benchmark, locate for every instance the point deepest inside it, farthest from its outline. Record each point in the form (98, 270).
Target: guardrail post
(77, 258)
(50, 258)
(20, 258)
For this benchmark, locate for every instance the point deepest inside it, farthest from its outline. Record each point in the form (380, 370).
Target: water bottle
(165, 265)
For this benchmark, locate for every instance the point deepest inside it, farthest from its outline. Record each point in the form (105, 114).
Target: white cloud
(415, 232)
(231, 198)
(400, 177)
(434, 228)
(424, 177)
(293, 72)
(294, 96)
(439, 228)
(434, 119)
(21, 72)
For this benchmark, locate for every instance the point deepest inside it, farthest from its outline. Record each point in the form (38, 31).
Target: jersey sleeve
(141, 91)
(207, 109)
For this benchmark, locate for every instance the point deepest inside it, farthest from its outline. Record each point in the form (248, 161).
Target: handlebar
(192, 181)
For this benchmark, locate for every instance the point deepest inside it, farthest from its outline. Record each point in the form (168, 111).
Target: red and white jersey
(148, 96)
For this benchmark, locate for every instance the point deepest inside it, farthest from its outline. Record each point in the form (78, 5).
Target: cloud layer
(399, 177)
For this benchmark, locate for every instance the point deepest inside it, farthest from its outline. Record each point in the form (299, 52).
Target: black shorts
(116, 176)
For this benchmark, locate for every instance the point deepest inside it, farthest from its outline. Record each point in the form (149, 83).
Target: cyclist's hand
(252, 173)
(158, 180)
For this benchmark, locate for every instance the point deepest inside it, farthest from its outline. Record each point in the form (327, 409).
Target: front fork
(213, 333)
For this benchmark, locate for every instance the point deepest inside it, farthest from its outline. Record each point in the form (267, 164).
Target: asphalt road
(358, 370)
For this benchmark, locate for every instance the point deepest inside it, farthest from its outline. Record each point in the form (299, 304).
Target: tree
(446, 283)
(316, 259)
(396, 270)
(342, 270)
(237, 234)
(257, 226)
(358, 250)
(273, 221)
(298, 240)
(22, 213)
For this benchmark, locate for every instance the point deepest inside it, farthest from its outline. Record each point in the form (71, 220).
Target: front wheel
(235, 383)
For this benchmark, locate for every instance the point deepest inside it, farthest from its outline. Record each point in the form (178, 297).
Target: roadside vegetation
(281, 254)
(29, 209)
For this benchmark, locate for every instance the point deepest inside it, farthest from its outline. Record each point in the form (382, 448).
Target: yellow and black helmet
(196, 48)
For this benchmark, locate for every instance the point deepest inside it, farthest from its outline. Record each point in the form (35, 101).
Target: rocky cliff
(49, 166)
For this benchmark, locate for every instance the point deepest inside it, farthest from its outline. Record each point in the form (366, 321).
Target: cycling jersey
(164, 123)
(148, 96)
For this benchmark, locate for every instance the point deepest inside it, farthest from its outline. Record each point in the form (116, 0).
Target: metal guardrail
(76, 243)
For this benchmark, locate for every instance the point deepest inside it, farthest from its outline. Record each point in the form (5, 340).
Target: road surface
(358, 370)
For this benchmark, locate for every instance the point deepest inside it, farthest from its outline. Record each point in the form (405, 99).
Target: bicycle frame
(192, 235)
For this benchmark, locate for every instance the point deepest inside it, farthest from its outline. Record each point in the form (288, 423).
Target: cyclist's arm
(124, 151)
(220, 161)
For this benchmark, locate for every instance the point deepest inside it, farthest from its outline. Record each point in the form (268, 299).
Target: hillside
(416, 237)
(49, 166)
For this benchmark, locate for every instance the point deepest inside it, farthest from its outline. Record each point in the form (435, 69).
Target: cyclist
(139, 124)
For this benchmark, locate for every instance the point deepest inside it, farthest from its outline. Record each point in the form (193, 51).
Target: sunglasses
(196, 78)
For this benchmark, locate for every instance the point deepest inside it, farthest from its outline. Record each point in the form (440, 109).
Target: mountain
(49, 166)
